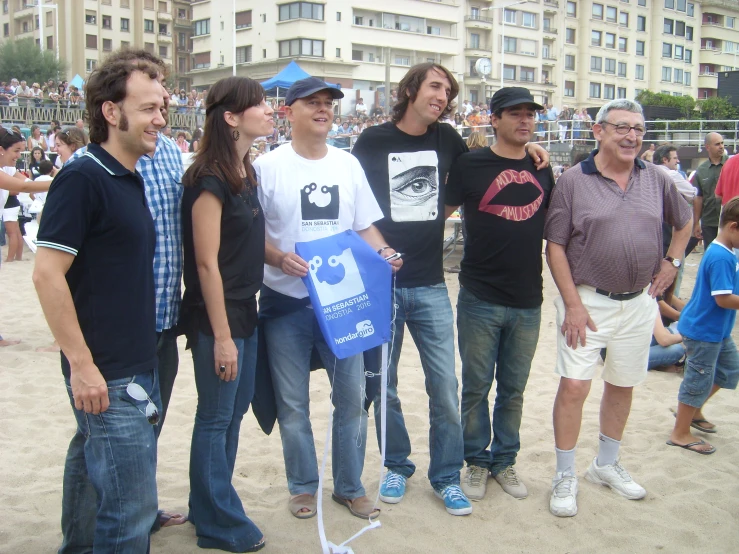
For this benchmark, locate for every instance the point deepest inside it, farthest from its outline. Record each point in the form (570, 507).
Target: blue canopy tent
(285, 78)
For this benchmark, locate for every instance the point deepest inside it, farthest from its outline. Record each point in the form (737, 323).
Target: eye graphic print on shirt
(319, 206)
(514, 204)
(414, 186)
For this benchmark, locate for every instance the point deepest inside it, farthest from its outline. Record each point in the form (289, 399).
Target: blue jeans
(109, 499)
(661, 356)
(708, 364)
(427, 312)
(215, 506)
(168, 359)
(290, 340)
(495, 342)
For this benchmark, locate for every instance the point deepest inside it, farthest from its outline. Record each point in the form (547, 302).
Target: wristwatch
(673, 261)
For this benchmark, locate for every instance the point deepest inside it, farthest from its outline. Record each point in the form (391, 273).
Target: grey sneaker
(474, 482)
(508, 479)
(616, 477)
(563, 502)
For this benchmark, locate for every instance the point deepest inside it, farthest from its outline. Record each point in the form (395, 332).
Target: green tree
(718, 107)
(22, 59)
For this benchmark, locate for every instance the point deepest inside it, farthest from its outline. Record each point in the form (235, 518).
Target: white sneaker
(563, 502)
(508, 479)
(474, 482)
(616, 477)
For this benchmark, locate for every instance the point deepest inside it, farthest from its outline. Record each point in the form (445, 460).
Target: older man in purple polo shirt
(604, 233)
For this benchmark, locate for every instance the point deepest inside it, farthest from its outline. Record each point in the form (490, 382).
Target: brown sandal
(361, 507)
(303, 502)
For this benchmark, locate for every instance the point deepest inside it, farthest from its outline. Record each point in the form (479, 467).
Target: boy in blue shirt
(706, 324)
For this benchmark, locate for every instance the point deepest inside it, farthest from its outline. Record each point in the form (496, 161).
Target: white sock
(565, 461)
(607, 450)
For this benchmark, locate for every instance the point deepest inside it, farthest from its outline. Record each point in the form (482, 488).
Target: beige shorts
(624, 328)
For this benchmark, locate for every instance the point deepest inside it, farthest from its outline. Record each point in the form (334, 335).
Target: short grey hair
(620, 104)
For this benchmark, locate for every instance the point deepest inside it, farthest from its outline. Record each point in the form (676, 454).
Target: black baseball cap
(306, 87)
(512, 96)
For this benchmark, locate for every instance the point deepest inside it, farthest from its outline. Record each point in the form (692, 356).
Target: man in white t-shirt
(310, 190)
(361, 108)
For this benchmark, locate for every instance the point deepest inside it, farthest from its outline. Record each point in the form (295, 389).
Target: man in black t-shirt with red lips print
(499, 308)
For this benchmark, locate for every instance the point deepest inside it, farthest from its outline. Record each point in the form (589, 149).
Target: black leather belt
(619, 295)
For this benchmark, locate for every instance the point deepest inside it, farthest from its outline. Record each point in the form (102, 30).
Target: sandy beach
(692, 502)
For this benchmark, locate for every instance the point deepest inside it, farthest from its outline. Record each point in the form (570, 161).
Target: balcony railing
(478, 18)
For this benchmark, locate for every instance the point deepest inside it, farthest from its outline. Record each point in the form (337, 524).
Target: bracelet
(381, 249)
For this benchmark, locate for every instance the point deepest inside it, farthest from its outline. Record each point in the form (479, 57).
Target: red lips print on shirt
(512, 213)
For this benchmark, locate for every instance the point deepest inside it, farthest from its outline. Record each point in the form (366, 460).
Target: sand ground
(692, 502)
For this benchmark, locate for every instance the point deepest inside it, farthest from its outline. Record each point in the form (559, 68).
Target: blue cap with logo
(310, 85)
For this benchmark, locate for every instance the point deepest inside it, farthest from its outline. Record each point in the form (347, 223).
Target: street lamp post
(54, 7)
(502, 35)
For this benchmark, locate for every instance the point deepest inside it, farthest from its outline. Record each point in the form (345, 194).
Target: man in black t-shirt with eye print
(406, 162)
(499, 307)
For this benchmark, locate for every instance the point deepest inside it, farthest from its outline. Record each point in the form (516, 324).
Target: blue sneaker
(455, 501)
(392, 490)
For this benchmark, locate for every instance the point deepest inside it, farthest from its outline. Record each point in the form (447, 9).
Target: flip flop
(167, 519)
(695, 424)
(690, 446)
(300, 502)
(361, 507)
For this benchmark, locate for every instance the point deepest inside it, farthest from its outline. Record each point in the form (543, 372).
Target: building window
(201, 60)
(163, 29)
(609, 92)
(338, 16)
(670, 4)
(49, 43)
(124, 24)
(163, 7)
(689, 33)
(686, 77)
(475, 41)
(148, 25)
(402, 60)
(688, 56)
(163, 53)
(243, 19)
(666, 50)
(91, 65)
(623, 19)
(596, 37)
(301, 10)
(338, 52)
(667, 74)
(91, 41)
(570, 62)
(678, 52)
(594, 91)
(668, 26)
(611, 14)
(301, 47)
(529, 20)
(149, 47)
(571, 9)
(639, 47)
(5, 6)
(597, 11)
(509, 43)
(6, 29)
(509, 73)
(610, 40)
(621, 69)
(691, 9)
(570, 36)
(243, 54)
(596, 63)
(107, 22)
(202, 27)
(622, 44)
(125, 44)
(678, 76)
(570, 88)
(107, 45)
(621, 92)
(527, 74)
(357, 55)
(528, 48)
(125, 3)
(730, 22)
(681, 5)
(680, 28)
(91, 19)
(610, 66)
(509, 16)
(641, 23)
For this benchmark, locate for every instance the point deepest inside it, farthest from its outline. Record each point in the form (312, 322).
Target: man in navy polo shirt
(94, 277)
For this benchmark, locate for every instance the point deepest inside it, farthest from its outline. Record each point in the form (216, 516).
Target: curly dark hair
(411, 83)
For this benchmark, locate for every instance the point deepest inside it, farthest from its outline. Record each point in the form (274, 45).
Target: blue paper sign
(349, 286)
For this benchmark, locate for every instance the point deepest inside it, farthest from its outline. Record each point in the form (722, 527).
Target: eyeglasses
(137, 392)
(623, 129)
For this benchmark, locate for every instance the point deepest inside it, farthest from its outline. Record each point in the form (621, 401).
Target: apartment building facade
(89, 29)
(576, 52)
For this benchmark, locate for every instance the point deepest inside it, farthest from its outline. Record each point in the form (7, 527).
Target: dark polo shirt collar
(107, 162)
(588, 166)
